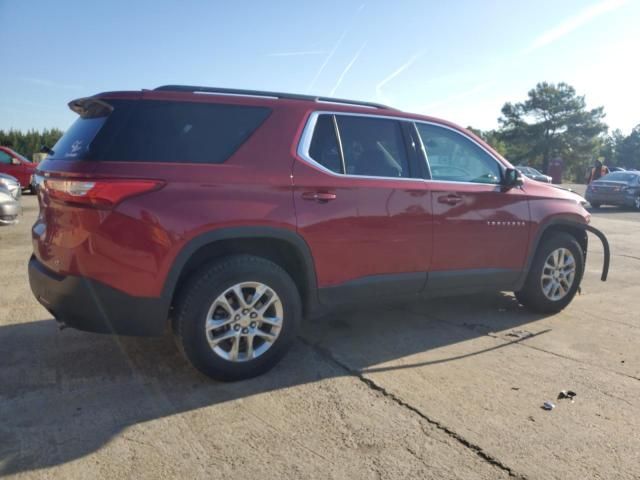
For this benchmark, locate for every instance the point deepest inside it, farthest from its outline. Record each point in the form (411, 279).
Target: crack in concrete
(478, 450)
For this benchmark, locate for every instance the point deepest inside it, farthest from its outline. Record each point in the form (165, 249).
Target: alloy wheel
(244, 321)
(558, 274)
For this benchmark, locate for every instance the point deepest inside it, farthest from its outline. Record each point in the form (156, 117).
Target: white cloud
(395, 73)
(347, 68)
(573, 23)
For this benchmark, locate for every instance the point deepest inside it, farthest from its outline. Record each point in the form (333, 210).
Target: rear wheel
(554, 276)
(237, 317)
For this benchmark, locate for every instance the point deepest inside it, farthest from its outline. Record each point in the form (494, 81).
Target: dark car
(229, 215)
(617, 188)
(533, 174)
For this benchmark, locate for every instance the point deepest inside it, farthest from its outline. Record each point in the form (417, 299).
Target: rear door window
(373, 147)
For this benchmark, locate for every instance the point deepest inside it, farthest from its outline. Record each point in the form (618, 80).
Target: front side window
(453, 157)
(373, 146)
(5, 158)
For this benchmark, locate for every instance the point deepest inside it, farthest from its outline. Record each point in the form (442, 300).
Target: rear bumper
(610, 199)
(88, 305)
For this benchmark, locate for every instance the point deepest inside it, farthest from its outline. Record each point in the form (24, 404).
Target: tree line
(29, 142)
(554, 122)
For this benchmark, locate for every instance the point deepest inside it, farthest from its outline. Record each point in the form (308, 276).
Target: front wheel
(237, 317)
(555, 275)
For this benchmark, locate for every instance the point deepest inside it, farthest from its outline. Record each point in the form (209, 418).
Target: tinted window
(5, 157)
(149, 131)
(75, 143)
(324, 145)
(454, 157)
(373, 147)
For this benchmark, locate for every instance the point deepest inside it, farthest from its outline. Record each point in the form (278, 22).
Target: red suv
(230, 215)
(14, 164)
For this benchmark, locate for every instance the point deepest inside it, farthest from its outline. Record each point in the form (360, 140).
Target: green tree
(628, 150)
(28, 143)
(552, 122)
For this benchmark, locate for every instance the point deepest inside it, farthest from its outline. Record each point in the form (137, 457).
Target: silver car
(10, 208)
(533, 174)
(11, 184)
(617, 188)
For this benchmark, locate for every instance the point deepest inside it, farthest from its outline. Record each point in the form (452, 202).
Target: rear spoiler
(90, 107)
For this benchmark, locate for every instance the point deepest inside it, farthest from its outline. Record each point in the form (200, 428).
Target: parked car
(10, 208)
(14, 164)
(533, 174)
(236, 213)
(12, 185)
(616, 188)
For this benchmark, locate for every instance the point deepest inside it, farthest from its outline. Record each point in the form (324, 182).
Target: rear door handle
(450, 199)
(321, 197)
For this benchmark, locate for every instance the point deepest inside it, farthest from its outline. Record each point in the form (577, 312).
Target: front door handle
(321, 197)
(450, 199)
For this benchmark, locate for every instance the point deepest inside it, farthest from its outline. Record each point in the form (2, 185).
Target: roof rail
(260, 93)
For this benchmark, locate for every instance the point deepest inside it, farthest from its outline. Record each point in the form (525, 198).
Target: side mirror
(512, 178)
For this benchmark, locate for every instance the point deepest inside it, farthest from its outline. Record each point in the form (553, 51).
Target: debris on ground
(569, 394)
(548, 406)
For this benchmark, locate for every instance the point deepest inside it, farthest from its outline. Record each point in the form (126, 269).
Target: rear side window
(373, 146)
(324, 147)
(156, 131)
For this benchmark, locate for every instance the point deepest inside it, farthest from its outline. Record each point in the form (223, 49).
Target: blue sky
(457, 60)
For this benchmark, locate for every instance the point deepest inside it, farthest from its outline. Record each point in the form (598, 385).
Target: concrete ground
(451, 388)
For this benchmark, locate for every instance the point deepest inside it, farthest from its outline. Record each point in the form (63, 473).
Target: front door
(481, 229)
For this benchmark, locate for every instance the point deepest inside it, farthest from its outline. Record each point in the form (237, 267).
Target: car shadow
(64, 395)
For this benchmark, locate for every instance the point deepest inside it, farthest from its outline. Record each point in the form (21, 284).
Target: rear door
(362, 206)
(481, 229)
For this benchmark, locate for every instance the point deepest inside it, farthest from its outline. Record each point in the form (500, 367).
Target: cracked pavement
(449, 388)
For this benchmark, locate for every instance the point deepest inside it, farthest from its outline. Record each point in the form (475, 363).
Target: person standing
(597, 171)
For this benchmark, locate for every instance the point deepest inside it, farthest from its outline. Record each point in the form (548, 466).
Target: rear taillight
(101, 193)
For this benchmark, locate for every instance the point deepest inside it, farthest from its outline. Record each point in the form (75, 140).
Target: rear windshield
(156, 131)
(620, 177)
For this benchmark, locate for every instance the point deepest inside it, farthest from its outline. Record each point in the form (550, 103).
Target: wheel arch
(567, 224)
(282, 246)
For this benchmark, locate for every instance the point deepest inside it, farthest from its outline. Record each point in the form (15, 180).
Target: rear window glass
(155, 131)
(620, 177)
(74, 144)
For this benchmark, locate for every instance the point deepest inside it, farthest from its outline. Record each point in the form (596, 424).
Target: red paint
(20, 167)
(355, 227)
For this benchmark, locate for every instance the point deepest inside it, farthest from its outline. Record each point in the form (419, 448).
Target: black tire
(532, 296)
(213, 280)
